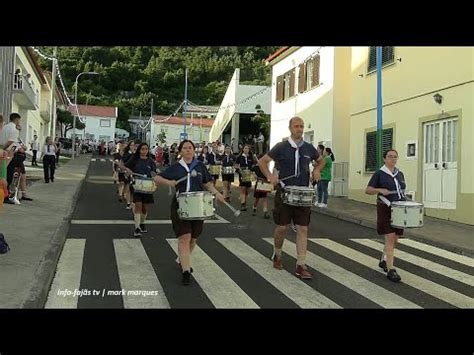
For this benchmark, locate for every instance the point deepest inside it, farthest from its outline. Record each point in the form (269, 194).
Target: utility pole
(185, 99)
(52, 114)
(151, 122)
(378, 53)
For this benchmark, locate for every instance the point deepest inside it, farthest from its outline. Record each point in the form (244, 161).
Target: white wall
(93, 127)
(173, 132)
(314, 106)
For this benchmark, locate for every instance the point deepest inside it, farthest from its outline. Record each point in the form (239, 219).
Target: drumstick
(193, 174)
(236, 212)
(288, 177)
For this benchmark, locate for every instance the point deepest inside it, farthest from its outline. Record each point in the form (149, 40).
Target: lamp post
(77, 111)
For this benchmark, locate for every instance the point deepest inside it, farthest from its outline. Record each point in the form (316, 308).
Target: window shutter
(279, 88)
(302, 78)
(371, 147)
(316, 61)
(292, 83)
(388, 56)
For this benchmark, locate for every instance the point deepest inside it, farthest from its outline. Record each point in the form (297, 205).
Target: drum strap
(397, 185)
(188, 170)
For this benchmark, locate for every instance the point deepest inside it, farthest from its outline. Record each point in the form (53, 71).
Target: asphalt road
(232, 265)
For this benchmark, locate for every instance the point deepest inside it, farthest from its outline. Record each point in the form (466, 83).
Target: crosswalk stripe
(102, 160)
(93, 159)
(293, 288)
(438, 251)
(369, 290)
(443, 293)
(68, 275)
(137, 276)
(427, 264)
(221, 290)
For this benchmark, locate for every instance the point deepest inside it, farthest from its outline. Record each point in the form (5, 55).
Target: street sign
(183, 136)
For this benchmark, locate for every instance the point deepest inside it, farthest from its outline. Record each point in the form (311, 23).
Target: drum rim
(194, 193)
(407, 204)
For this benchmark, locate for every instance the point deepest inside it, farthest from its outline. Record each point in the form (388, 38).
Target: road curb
(45, 272)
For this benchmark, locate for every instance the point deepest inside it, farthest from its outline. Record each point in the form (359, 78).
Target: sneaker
(254, 211)
(25, 198)
(186, 278)
(393, 276)
(128, 206)
(302, 271)
(277, 264)
(179, 264)
(383, 265)
(266, 215)
(14, 201)
(323, 205)
(243, 207)
(143, 228)
(138, 233)
(120, 199)
(320, 204)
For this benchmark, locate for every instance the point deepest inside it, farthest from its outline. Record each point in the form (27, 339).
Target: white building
(31, 97)
(197, 129)
(239, 105)
(100, 122)
(314, 83)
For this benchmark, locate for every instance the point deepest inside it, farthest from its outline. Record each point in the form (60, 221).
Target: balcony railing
(24, 92)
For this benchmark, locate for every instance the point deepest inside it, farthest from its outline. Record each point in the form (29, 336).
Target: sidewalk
(36, 232)
(456, 237)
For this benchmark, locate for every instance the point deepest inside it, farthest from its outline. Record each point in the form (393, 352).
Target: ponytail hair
(329, 151)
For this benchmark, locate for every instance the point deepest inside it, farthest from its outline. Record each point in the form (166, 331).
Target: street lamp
(77, 111)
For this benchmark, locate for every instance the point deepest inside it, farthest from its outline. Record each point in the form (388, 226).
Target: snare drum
(195, 205)
(406, 214)
(215, 169)
(262, 186)
(299, 196)
(228, 170)
(144, 185)
(247, 175)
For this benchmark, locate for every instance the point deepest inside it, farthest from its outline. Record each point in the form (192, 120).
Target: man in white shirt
(34, 148)
(260, 141)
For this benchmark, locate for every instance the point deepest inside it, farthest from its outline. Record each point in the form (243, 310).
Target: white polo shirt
(9, 133)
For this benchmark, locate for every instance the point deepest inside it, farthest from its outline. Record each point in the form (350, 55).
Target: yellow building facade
(427, 96)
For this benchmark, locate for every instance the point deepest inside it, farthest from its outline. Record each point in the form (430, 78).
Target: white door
(439, 164)
(340, 179)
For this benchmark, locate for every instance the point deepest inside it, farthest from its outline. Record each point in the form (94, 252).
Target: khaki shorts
(283, 214)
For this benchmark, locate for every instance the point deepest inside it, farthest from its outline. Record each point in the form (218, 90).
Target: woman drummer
(245, 161)
(214, 159)
(187, 231)
(389, 185)
(228, 160)
(260, 195)
(141, 163)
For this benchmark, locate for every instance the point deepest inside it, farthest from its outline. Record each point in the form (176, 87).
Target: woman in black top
(244, 161)
(228, 159)
(141, 163)
(260, 195)
(389, 184)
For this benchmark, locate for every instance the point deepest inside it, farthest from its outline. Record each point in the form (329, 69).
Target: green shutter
(388, 56)
(371, 147)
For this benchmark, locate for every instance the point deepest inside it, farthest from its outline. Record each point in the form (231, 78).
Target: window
(371, 147)
(388, 57)
(309, 74)
(285, 86)
(105, 123)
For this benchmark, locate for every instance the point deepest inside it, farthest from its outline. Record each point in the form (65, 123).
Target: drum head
(406, 204)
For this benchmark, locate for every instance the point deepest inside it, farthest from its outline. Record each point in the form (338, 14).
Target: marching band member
(187, 231)
(141, 163)
(244, 161)
(385, 180)
(227, 179)
(293, 157)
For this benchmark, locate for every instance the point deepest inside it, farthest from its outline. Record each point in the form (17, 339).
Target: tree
(161, 138)
(66, 119)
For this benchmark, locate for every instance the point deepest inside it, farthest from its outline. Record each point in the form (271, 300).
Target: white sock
(136, 217)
